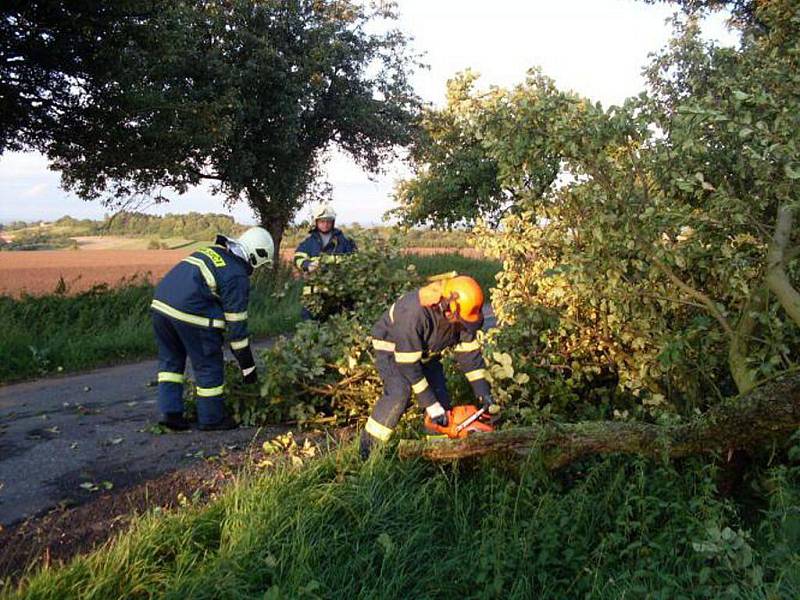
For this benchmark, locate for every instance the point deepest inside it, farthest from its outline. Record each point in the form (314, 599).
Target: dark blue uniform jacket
(311, 249)
(210, 288)
(416, 333)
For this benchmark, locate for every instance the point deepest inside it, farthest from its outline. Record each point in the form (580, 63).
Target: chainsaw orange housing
(456, 416)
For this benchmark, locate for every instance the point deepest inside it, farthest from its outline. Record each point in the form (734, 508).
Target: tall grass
(60, 333)
(617, 528)
(483, 271)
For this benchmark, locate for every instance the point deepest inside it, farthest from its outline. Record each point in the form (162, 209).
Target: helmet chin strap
(445, 303)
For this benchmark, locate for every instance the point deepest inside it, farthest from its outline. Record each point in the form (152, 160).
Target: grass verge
(61, 333)
(337, 528)
(482, 270)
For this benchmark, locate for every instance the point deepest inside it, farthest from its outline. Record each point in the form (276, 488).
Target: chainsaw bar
(470, 420)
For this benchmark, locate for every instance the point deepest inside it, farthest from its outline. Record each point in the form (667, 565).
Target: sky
(594, 47)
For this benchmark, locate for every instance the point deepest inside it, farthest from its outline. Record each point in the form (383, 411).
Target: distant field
(118, 242)
(39, 273)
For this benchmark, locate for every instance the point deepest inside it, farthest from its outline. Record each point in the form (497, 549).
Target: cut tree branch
(738, 349)
(777, 279)
(769, 413)
(707, 302)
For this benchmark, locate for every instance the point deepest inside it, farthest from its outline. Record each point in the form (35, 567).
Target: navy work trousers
(176, 340)
(396, 396)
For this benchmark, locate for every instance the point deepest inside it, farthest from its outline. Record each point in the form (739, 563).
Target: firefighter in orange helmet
(408, 340)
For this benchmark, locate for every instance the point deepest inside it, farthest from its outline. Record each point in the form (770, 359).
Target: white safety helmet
(324, 211)
(258, 244)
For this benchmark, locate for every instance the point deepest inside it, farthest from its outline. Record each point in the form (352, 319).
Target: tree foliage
(49, 49)
(456, 181)
(663, 256)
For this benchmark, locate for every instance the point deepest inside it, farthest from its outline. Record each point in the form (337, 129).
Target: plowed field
(39, 272)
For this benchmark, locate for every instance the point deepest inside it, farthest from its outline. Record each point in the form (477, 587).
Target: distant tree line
(39, 235)
(191, 226)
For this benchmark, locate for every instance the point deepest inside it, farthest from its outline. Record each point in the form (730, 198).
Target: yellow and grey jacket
(415, 333)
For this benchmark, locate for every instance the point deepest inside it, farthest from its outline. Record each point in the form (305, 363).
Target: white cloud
(21, 165)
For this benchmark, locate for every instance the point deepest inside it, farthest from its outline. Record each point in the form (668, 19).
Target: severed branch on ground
(768, 413)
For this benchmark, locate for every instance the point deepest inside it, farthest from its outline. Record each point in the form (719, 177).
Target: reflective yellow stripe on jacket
(407, 357)
(476, 374)
(208, 276)
(383, 345)
(420, 386)
(166, 309)
(299, 259)
(468, 346)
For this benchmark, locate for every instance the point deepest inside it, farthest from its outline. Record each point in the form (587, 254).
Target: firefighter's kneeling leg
(389, 408)
(434, 373)
(171, 364)
(205, 351)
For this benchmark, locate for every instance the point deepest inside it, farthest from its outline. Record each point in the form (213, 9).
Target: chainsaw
(461, 421)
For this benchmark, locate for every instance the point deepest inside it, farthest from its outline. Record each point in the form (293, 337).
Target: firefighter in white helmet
(325, 245)
(202, 296)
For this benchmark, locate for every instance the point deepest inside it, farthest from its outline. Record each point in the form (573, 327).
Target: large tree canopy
(48, 49)
(664, 250)
(249, 94)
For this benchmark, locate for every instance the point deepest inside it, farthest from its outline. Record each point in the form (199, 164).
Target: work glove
(313, 266)
(487, 402)
(437, 414)
(250, 376)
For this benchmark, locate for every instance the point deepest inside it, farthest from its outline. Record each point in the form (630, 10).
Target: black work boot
(366, 445)
(174, 421)
(227, 423)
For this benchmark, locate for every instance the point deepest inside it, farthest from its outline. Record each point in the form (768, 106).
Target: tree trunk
(777, 278)
(270, 219)
(768, 413)
(276, 227)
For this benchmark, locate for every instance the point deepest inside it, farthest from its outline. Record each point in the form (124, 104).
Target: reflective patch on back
(215, 258)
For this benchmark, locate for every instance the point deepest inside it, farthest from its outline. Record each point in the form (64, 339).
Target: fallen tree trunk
(768, 413)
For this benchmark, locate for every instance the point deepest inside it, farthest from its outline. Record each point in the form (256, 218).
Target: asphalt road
(65, 439)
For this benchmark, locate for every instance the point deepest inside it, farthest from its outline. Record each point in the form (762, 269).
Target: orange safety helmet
(465, 297)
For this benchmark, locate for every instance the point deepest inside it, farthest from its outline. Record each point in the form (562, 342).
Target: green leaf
(791, 171)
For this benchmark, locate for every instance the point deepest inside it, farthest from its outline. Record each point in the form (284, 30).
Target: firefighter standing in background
(324, 245)
(204, 294)
(408, 339)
